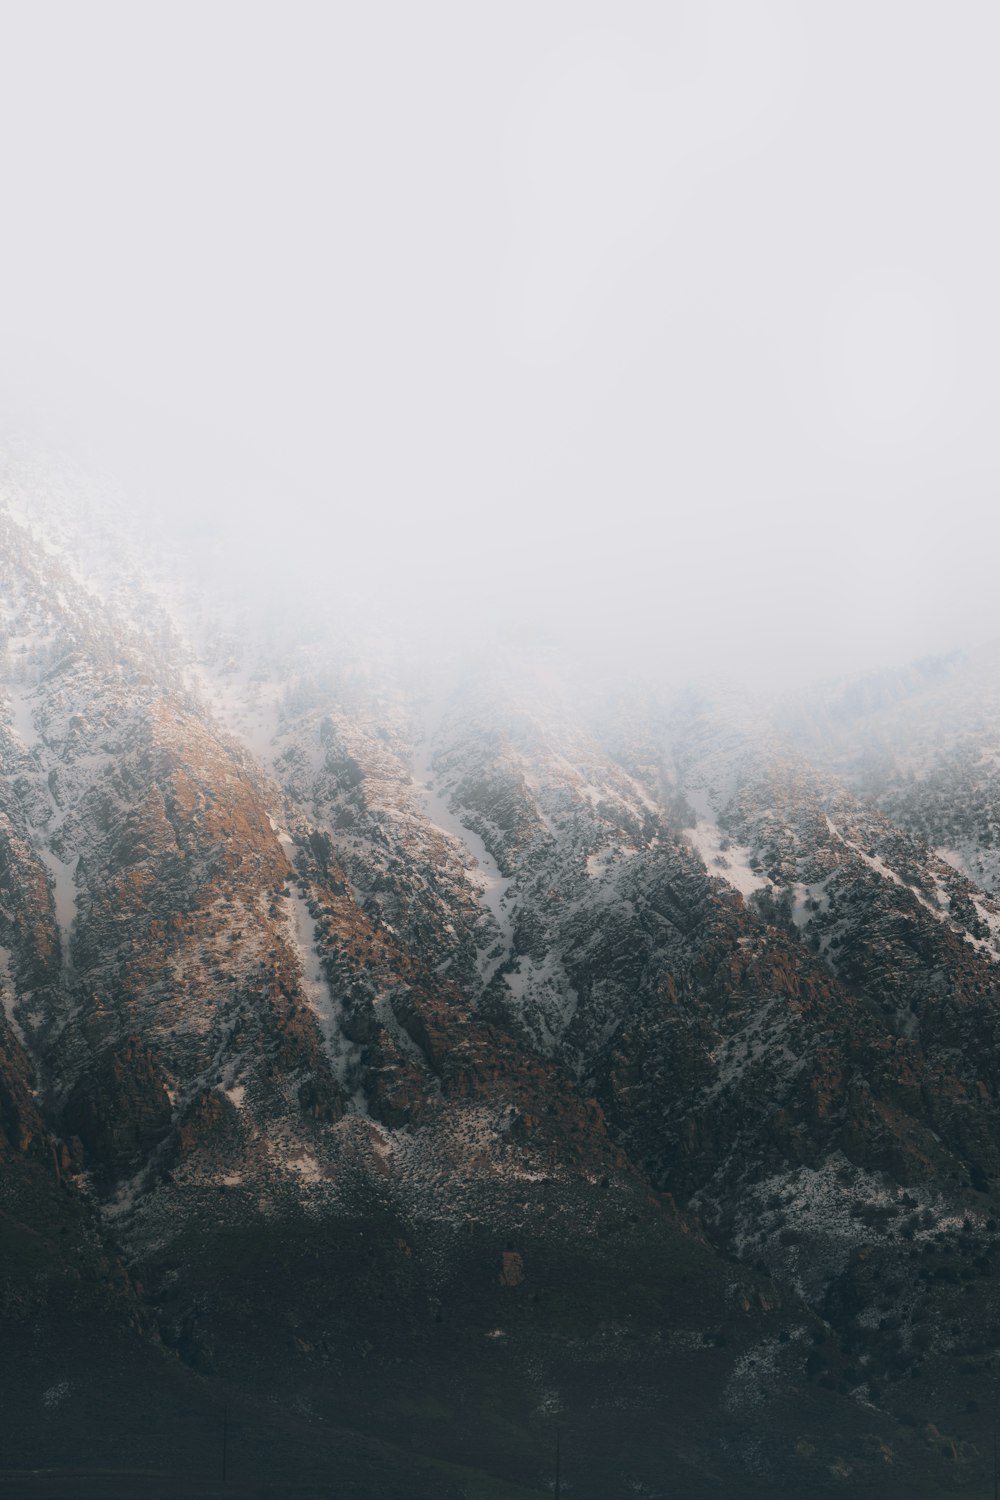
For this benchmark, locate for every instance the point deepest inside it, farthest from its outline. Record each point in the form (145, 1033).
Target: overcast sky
(672, 326)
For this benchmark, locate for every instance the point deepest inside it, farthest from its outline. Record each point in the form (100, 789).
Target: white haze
(666, 329)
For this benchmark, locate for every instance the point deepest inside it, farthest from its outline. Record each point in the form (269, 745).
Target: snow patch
(809, 900)
(8, 994)
(481, 869)
(63, 875)
(721, 857)
(22, 718)
(545, 989)
(301, 929)
(305, 1166)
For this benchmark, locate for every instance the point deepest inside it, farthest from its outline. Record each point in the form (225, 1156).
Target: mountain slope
(459, 1052)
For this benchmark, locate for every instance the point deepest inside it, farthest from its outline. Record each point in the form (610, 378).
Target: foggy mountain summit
(475, 1028)
(614, 323)
(499, 875)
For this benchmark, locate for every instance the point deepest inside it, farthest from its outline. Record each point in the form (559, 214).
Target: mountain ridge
(303, 954)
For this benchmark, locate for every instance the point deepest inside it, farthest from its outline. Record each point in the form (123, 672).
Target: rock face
(459, 1055)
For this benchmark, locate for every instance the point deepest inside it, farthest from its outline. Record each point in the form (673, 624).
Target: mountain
(402, 1059)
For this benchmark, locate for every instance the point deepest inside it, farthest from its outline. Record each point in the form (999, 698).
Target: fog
(669, 330)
